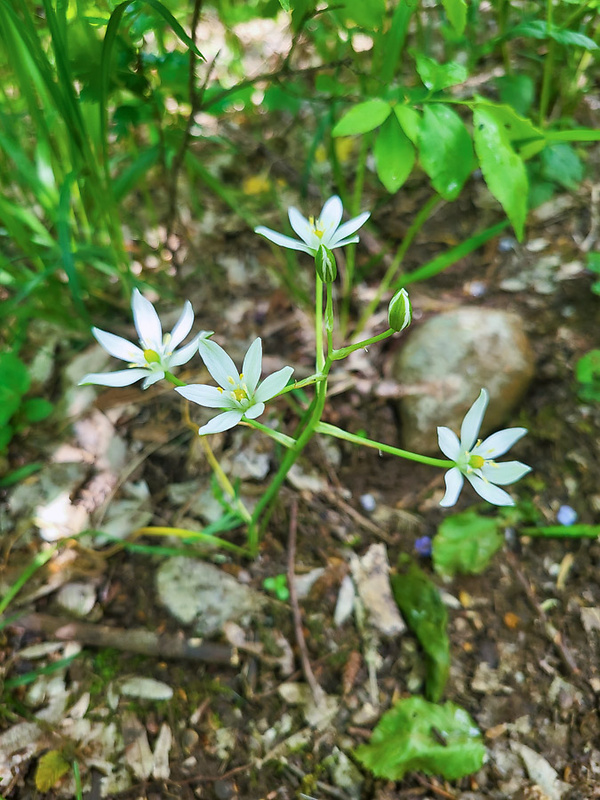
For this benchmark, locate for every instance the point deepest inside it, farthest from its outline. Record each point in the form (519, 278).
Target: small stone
(448, 360)
(368, 503)
(566, 516)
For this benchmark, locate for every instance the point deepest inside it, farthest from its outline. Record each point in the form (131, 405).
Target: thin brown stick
(552, 634)
(435, 789)
(317, 691)
(133, 640)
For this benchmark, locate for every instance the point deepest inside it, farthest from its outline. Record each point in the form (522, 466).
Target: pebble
(566, 516)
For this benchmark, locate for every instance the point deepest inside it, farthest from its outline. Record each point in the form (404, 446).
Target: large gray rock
(203, 596)
(447, 361)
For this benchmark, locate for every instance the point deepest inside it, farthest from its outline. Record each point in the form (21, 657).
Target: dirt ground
(524, 644)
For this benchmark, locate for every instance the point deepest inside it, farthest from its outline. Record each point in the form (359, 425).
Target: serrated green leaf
(410, 121)
(50, 769)
(465, 544)
(502, 168)
(421, 605)
(445, 150)
(363, 118)
(519, 130)
(456, 11)
(437, 76)
(35, 409)
(561, 164)
(394, 155)
(417, 735)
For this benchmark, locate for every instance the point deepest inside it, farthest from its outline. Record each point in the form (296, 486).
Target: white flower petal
(343, 242)
(505, 472)
(282, 240)
(154, 377)
(252, 366)
(204, 395)
(218, 363)
(469, 430)
(254, 411)
(331, 214)
(493, 494)
(123, 377)
(146, 321)
(301, 225)
(348, 228)
(454, 483)
(183, 325)
(273, 384)
(119, 347)
(448, 443)
(222, 422)
(183, 355)
(499, 443)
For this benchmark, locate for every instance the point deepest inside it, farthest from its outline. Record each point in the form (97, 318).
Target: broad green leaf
(539, 29)
(394, 155)
(417, 735)
(445, 150)
(363, 118)
(587, 372)
(456, 11)
(519, 130)
(517, 91)
(14, 373)
(465, 543)
(50, 769)
(410, 121)
(437, 76)
(36, 409)
(561, 164)
(503, 170)
(366, 14)
(421, 605)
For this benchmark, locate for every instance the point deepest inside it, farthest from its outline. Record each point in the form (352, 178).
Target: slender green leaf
(503, 170)
(427, 617)
(394, 155)
(417, 735)
(394, 38)
(456, 11)
(539, 29)
(445, 150)
(18, 474)
(574, 135)
(363, 117)
(38, 561)
(564, 531)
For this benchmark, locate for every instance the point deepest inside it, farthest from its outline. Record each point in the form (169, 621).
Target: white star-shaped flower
(326, 230)
(156, 353)
(474, 459)
(238, 394)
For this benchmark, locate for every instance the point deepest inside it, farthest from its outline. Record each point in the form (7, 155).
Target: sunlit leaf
(445, 149)
(410, 121)
(502, 168)
(394, 155)
(456, 11)
(417, 735)
(363, 117)
(427, 617)
(437, 76)
(465, 543)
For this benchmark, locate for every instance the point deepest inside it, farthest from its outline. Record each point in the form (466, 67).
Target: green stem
(280, 438)
(338, 433)
(265, 504)
(329, 320)
(343, 352)
(320, 358)
(301, 384)
(172, 379)
(393, 268)
(548, 68)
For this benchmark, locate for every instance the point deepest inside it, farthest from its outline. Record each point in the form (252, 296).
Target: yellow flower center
(314, 224)
(151, 356)
(476, 462)
(239, 395)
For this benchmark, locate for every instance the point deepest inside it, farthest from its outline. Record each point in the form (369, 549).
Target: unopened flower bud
(400, 311)
(325, 264)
